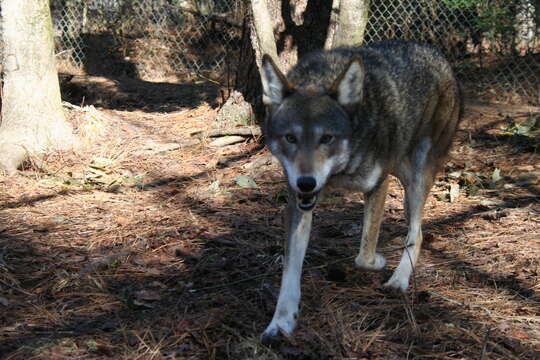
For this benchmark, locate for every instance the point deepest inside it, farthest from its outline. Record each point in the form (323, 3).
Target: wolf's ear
(348, 89)
(275, 84)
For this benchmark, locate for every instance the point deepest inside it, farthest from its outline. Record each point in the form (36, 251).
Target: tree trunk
(332, 27)
(287, 30)
(526, 24)
(352, 22)
(296, 28)
(32, 117)
(284, 31)
(305, 25)
(264, 34)
(247, 80)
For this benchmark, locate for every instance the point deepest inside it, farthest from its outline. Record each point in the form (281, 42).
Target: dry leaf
(454, 192)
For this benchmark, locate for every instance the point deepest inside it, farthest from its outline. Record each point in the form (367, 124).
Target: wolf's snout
(306, 183)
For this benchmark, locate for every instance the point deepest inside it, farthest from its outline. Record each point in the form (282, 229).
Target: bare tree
(32, 117)
(286, 30)
(351, 23)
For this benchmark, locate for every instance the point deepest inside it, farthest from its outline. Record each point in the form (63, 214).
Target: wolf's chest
(363, 181)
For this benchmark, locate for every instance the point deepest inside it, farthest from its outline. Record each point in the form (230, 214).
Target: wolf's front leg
(368, 259)
(298, 230)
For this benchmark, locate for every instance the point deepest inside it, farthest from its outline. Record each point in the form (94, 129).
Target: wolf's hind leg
(417, 181)
(368, 258)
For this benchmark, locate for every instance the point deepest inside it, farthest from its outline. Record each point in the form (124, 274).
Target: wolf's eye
(290, 138)
(326, 139)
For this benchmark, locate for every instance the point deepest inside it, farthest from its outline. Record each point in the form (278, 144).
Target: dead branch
(252, 131)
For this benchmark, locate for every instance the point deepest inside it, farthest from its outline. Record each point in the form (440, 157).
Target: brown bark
(247, 79)
(32, 115)
(263, 35)
(352, 21)
(287, 30)
(297, 29)
(332, 27)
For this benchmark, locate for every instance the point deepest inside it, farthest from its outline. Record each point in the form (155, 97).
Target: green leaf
(442, 196)
(472, 190)
(59, 219)
(455, 174)
(496, 176)
(246, 182)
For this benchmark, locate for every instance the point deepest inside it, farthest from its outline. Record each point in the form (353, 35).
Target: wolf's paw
(378, 263)
(277, 330)
(270, 337)
(399, 282)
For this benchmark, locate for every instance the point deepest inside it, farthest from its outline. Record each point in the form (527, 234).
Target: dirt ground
(146, 244)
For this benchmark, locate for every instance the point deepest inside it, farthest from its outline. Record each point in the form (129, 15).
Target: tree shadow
(311, 34)
(113, 82)
(201, 282)
(220, 293)
(29, 201)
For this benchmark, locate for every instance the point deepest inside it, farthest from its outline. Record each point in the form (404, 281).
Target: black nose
(306, 183)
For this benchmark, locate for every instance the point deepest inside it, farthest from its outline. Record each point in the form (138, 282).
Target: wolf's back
(409, 64)
(409, 91)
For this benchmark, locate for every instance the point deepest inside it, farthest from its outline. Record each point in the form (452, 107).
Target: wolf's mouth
(307, 202)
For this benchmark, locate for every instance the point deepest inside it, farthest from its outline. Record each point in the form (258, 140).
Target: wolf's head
(308, 128)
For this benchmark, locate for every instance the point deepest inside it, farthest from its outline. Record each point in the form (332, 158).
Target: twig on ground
(252, 131)
(484, 347)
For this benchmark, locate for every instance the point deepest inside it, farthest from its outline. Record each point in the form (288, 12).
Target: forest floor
(148, 243)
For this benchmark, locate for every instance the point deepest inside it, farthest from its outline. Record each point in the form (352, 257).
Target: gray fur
(388, 108)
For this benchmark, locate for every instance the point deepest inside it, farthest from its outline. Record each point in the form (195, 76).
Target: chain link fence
(148, 38)
(494, 44)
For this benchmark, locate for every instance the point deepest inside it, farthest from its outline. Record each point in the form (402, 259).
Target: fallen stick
(241, 131)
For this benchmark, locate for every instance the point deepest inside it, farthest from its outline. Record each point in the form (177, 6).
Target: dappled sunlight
(166, 252)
